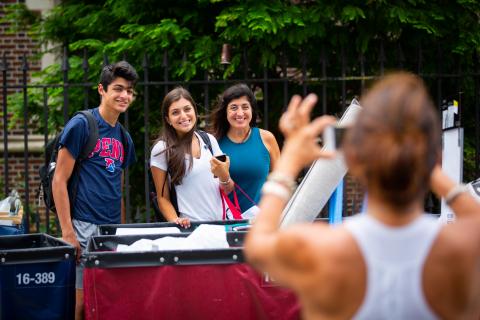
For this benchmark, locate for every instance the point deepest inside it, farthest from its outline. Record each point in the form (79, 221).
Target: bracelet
(224, 182)
(283, 179)
(455, 192)
(276, 189)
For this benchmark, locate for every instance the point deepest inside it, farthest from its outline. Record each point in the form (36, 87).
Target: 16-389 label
(35, 278)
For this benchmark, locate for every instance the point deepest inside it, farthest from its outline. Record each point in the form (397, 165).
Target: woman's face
(181, 116)
(239, 113)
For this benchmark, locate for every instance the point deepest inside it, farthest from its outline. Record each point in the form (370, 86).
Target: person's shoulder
(76, 126)
(267, 135)
(458, 240)
(77, 120)
(300, 245)
(201, 132)
(159, 146)
(210, 136)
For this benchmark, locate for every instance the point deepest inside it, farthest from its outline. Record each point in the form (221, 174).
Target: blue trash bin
(37, 277)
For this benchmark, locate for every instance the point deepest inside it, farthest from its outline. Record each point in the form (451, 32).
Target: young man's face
(118, 96)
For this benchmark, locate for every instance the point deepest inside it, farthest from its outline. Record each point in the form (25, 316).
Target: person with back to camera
(252, 151)
(180, 158)
(394, 262)
(98, 198)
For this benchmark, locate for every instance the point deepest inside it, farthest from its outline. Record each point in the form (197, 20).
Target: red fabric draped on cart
(225, 291)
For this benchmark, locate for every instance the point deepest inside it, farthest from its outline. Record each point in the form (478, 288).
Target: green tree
(271, 35)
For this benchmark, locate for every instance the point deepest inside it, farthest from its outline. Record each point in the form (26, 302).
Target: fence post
(304, 73)
(25, 141)
(206, 96)
(381, 58)
(4, 68)
(285, 79)
(419, 58)
(400, 56)
(439, 76)
(45, 140)
(165, 71)
(265, 97)
(65, 68)
(344, 74)
(85, 68)
(477, 112)
(362, 71)
(323, 61)
(145, 136)
(128, 204)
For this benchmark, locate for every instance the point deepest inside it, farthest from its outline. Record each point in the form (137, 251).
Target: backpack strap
(92, 134)
(124, 134)
(206, 139)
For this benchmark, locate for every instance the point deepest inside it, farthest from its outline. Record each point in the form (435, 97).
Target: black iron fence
(335, 76)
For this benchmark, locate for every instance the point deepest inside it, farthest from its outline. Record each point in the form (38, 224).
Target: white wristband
(276, 189)
(284, 179)
(455, 192)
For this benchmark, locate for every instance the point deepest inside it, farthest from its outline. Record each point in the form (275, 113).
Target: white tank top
(394, 257)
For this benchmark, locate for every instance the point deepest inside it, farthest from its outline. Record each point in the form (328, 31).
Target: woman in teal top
(252, 151)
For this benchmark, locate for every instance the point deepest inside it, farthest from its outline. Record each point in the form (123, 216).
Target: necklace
(243, 139)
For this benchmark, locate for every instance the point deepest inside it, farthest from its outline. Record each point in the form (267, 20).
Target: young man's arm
(63, 171)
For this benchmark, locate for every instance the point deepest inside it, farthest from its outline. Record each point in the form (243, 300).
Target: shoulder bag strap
(206, 139)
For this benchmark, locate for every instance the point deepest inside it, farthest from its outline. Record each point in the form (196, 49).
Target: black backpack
(51, 152)
(173, 194)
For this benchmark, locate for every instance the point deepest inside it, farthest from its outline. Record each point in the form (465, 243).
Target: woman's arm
(163, 198)
(265, 244)
(463, 204)
(272, 146)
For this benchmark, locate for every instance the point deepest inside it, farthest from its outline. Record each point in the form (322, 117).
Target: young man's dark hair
(99, 178)
(120, 69)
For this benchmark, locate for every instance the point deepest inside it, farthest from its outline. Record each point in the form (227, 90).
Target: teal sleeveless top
(249, 166)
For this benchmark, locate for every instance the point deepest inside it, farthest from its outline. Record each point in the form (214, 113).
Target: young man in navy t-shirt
(98, 199)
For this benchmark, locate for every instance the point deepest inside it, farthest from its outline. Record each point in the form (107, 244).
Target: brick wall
(14, 46)
(353, 196)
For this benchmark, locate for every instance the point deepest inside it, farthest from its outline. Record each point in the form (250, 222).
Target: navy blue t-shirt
(98, 198)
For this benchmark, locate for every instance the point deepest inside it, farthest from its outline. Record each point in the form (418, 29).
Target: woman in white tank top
(184, 166)
(394, 262)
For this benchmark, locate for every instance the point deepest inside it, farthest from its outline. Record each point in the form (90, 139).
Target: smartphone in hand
(333, 137)
(221, 157)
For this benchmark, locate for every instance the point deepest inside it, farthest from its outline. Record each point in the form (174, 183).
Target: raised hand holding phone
(333, 136)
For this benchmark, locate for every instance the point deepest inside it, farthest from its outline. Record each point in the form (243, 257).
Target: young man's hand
(71, 238)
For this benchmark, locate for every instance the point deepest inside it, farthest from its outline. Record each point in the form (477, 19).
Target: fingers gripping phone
(333, 137)
(221, 157)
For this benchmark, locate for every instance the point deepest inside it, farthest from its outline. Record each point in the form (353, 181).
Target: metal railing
(335, 84)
